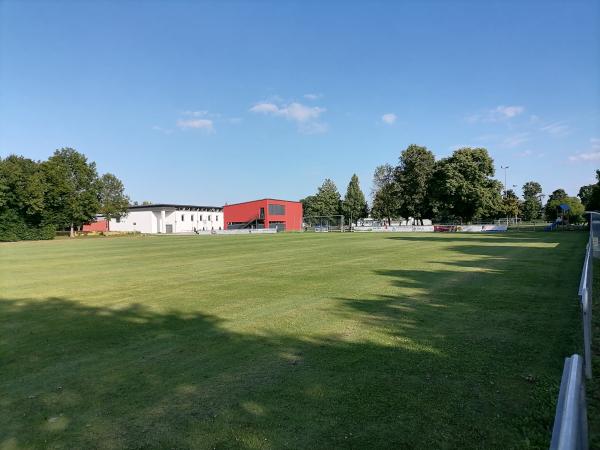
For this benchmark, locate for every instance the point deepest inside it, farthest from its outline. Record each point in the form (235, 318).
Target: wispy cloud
(593, 154)
(556, 129)
(515, 140)
(162, 130)
(389, 118)
(306, 117)
(497, 114)
(205, 125)
(313, 96)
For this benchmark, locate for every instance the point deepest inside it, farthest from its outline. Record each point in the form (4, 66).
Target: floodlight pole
(505, 168)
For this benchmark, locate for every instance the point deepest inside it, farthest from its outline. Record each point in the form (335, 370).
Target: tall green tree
(585, 194)
(354, 205)
(462, 188)
(113, 201)
(590, 195)
(23, 213)
(413, 177)
(532, 204)
(557, 197)
(386, 195)
(72, 197)
(511, 205)
(326, 202)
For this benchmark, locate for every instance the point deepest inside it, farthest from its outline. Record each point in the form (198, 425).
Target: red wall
(244, 212)
(98, 225)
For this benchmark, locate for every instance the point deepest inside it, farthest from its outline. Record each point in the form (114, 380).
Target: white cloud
(389, 118)
(265, 108)
(301, 113)
(162, 130)
(305, 116)
(507, 112)
(497, 114)
(313, 96)
(200, 113)
(589, 156)
(205, 125)
(556, 129)
(592, 155)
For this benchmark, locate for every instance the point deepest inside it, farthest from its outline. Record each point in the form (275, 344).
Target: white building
(162, 218)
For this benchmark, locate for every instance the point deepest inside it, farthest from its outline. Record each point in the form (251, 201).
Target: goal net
(324, 224)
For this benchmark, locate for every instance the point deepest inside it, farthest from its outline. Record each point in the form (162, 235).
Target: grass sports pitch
(287, 341)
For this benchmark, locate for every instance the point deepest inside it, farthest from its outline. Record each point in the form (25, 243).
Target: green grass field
(287, 341)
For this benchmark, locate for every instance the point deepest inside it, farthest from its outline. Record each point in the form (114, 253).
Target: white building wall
(142, 221)
(186, 221)
(181, 221)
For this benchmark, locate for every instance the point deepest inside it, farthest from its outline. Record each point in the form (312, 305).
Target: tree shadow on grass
(444, 363)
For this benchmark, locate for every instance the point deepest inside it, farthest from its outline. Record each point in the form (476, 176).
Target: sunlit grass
(286, 341)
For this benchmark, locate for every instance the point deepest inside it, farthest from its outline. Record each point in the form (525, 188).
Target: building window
(182, 217)
(209, 219)
(277, 210)
(118, 220)
(192, 219)
(200, 216)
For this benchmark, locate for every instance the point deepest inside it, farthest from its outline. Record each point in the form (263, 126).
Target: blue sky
(220, 102)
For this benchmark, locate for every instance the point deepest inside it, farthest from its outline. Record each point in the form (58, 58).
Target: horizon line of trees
(37, 198)
(458, 189)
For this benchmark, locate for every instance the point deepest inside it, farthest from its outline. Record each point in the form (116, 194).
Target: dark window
(118, 220)
(277, 210)
(192, 219)
(200, 216)
(182, 217)
(262, 213)
(209, 219)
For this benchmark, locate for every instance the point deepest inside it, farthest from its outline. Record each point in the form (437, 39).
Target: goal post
(324, 224)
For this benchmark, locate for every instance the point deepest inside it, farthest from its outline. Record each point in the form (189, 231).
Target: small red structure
(97, 225)
(283, 215)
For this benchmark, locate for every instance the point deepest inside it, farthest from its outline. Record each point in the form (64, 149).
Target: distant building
(283, 215)
(167, 218)
(100, 224)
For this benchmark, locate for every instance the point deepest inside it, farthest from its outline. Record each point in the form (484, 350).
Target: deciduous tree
(113, 201)
(462, 186)
(72, 188)
(532, 204)
(413, 177)
(386, 195)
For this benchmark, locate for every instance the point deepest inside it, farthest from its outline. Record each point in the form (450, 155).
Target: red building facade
(97, 225)
(266, 213)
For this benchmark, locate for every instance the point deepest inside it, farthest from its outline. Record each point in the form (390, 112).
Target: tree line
(459, 188)
(37, 198)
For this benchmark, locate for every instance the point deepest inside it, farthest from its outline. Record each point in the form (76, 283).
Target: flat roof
(172, 205)
(262, 200)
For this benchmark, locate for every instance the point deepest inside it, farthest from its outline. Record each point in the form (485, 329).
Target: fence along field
(288, 340)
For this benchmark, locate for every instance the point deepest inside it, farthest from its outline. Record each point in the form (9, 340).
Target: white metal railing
(585, 292)
(570, 431)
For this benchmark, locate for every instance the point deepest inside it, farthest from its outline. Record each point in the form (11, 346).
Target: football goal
(324, 224)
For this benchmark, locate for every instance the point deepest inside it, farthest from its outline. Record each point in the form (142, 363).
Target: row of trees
(328, 202)
(64, 192)
(458, 188)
